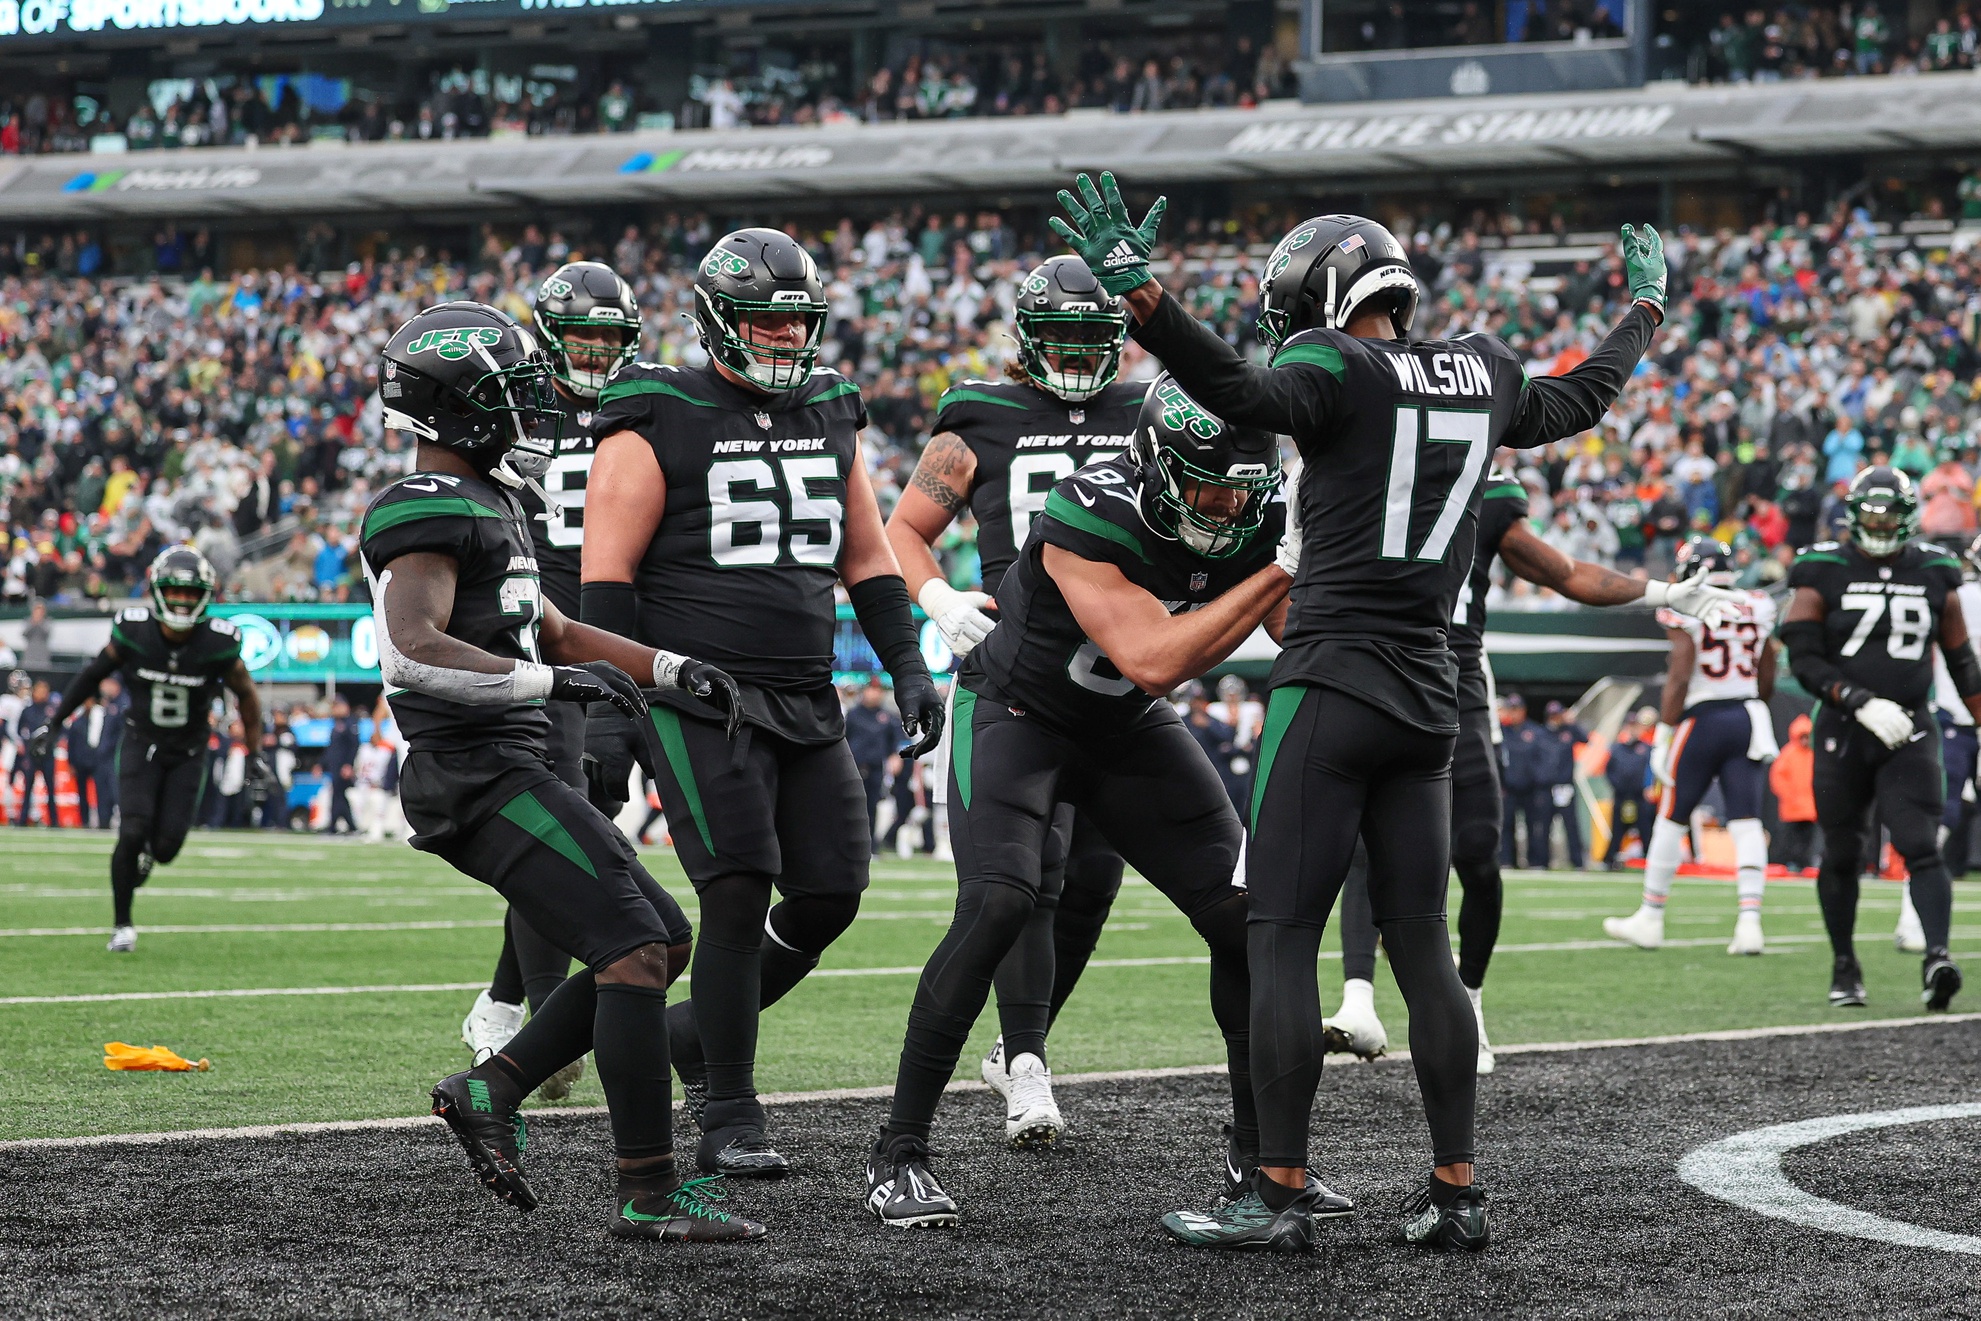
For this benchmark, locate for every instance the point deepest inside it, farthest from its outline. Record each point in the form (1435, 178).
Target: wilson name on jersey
(1038, 659)
(558, 533)
(1389, 512)
(173, 685)
(1027, 441)
(740, 572)
(498, 598)
(1727, 657)
(1882, 617)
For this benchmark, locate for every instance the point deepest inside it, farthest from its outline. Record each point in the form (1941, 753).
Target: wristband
(1656, 593)
(667, 669)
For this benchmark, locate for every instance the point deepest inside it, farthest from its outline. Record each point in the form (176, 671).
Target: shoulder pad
(652, 378)
(998, 393)
(1327, 349)
(1823, 546)
(136, 614)
(826, 384)
(226, 628)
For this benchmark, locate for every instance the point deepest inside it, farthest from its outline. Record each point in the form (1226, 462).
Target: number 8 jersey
(1727, 658)
(1881, 617)
(740, 572)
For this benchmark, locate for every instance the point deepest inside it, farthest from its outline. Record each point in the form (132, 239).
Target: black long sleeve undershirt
(104, 665)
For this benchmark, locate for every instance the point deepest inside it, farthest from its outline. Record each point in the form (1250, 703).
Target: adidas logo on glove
(1122, 255)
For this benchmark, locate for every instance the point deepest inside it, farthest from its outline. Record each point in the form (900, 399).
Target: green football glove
(1644, 265)
(1115, 248)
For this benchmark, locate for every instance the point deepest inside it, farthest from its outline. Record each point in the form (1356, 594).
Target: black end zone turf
(1578, 1151)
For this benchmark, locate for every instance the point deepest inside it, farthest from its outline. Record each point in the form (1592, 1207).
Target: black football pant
(1150, 787)
(1909, 787)
(94, 779)
(1333, 768)
(758, 814)
(27, 772)
(1475, 856)
(159, 791)
(529, 966)
(1080, 875)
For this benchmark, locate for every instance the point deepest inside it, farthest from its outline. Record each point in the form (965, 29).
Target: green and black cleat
(685, 1213)
(1249, 1223)
(1940, 979)
(1458, 1225)
(493, 1139)
(1240, 1165)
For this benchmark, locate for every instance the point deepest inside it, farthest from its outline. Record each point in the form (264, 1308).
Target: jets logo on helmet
(1882, 511)
(1330, 269)
(1204, 483)
(590, 322)
(456, 344)
(181, 585)
(1070, 331)
(760, 307)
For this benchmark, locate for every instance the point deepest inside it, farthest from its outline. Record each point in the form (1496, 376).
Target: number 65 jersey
(740, 572)
(1881, 617)
(1727, 658)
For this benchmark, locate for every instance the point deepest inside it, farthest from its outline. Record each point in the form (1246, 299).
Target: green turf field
(258, 912)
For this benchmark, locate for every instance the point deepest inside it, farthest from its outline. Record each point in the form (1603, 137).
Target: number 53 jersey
(1727, 660)
(740, 572)
(1881, 618)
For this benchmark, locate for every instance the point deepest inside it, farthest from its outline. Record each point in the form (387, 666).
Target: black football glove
(261, 780)
(716, 688)
(42, 742)
(921, 711)
(612, 746)
(596, 681)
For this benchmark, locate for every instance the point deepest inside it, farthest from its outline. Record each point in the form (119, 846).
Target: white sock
(1661, 860)
(1357, 993)
(1750, 856)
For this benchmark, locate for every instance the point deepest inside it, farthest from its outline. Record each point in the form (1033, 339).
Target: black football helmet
(587, 294)
(1708, 553)
(1182, 448)
(467, 377)
(748, 278)
(1070, 331)
(1881, 511)
(1328, 269)
(181, 585)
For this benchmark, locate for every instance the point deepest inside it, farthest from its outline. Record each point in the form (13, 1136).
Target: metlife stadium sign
(86, 18)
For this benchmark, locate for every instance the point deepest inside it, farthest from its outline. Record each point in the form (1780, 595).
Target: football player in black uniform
(589, 323)
(1363, 716)
(725, 503)
(470, 652)
(174, 659)
(1860, 633)
(999, 448)
(1140, 572)
(1475, 783)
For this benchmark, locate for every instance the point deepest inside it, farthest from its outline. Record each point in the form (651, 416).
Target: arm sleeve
(1810, 663)
(1295, 396)
(881, 605)
(102, 667)
(1555, 407)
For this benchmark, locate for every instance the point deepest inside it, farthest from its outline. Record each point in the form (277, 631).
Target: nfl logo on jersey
(1077, 416)
(1198, 581)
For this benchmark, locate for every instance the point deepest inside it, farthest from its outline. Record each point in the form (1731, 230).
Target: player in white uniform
(1713, 725)
(1957, 751)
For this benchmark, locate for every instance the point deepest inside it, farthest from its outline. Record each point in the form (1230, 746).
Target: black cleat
(1941, 980)
(493, 1139)
(1457, 1226)
(1239, 1167)
(685, 1213)
(1248, 1223)
(901, 1188)
(1847, 984)
(740, 1151)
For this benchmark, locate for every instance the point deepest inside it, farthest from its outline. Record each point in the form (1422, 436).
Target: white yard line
(967, 1085)
(225, 928)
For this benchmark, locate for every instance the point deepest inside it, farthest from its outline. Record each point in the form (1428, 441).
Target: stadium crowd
(237, 412)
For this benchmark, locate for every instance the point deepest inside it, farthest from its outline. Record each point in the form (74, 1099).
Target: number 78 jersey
(1881, 617)
(1727, 657)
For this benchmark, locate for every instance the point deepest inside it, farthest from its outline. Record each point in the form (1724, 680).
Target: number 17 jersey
(740, 572)
(1881, 618)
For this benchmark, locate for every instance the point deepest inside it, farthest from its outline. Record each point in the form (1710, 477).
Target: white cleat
(124, 940)
(993, 1069)
(1747, 935)
(1910, 936)
(489, 1025)
(1031, 1119)
(558, 1085)
(1486, 1061)
(1355, 1029)
(1644, 928)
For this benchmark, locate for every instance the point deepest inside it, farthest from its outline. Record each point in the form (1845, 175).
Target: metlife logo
(44, 17)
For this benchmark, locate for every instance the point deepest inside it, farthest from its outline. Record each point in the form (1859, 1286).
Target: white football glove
(959, 616)
(1288, 557)
(1888, 720)
(1661, 755)
(1711, 606)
